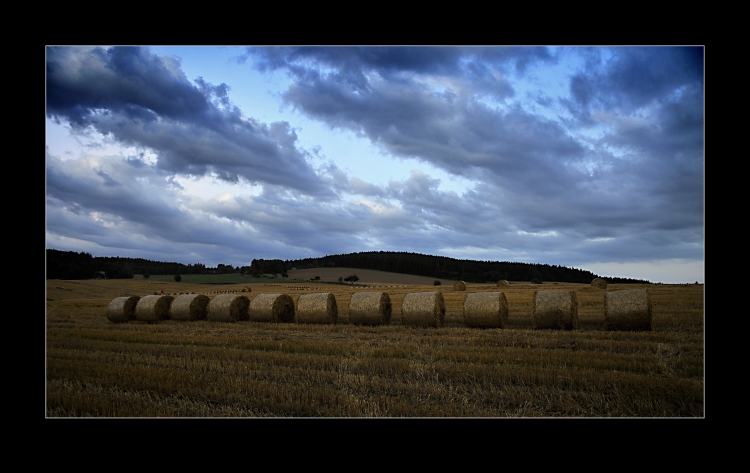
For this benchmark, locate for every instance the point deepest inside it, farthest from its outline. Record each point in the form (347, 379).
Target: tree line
(450, 268)
(72, 265)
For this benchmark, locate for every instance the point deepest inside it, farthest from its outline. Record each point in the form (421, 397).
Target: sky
(583, 157)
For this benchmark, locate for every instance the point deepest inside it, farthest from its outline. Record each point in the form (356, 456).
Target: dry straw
(599, 283)
(423, 309)
(153, 308)
(555, 310)
(122, 309)
(318, 308)
(459, 286)
(189, 307)
(502, 283)
(627, 310)
(370, 308)
(228, 308)
(272, 308)
(486, 310)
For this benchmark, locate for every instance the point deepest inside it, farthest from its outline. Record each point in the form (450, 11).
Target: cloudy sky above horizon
(585, 157)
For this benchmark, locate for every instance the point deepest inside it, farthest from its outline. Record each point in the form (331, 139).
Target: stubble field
(96, 368)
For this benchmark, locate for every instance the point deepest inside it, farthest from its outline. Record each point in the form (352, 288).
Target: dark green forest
(72, 265)
(450, 268)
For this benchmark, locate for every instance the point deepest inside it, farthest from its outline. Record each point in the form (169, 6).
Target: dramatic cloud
(585, 157)
(146, 101)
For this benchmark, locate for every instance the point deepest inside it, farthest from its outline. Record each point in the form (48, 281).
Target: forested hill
(450, 268)
(72, 265)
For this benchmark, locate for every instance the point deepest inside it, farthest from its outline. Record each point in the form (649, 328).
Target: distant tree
(317, 278)
(436, 283)
(536, 281)
(352, 278)
(177, 277)
(146, 275)
(284, 275)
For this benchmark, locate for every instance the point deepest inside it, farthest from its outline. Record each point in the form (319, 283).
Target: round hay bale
(318, 308)
(122, 309)
(459, 286)
(153, 308)
(189, 307)
(502, 283)
(486, 310)
(370, 308)
(272, 308)
(555, 310)
(599, 283)
(627, 310)
(228, 308)
(423, 309)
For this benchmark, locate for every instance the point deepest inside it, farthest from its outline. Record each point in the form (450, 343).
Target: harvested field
(628, 310)
(97, 368)
(368, 277)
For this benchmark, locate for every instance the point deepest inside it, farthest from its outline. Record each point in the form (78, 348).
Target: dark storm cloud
(450, 128)
(635, 77)
(464, 138)
(644, 169)
(612, 170)
(144, 100)
(387, 60)
(483, 66)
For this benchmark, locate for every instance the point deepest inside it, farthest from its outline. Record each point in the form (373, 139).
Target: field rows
(95, 368)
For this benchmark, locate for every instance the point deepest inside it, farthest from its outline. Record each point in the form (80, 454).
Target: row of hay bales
(554, 309)
(623, 310)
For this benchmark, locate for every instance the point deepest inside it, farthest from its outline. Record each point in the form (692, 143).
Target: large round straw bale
(272, 308)
(318, 308)
(189, 307)
(370, 308)
(627, 310)
(228, 308)
(555, 310)
(153, 308)
(459, 286)
(122, 309)
(599, 283)
(486, 309)
(423, 309)
(502, 283)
